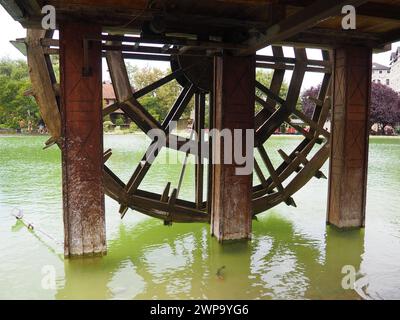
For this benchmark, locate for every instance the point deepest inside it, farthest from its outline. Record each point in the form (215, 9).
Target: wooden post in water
(82, 147)
(349, 140)
(234, 95)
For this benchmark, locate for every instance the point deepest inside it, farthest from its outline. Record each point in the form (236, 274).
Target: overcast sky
(11, 30)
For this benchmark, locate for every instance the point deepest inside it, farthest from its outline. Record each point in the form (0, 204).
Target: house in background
(110, 98)
(380, 74)
(389, 76)
(395, 70)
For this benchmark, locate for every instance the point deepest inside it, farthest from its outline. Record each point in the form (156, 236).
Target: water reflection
(150, 261)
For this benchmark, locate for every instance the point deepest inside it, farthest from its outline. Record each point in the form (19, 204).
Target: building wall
(391, 75)
(382, 76)
(395, 76)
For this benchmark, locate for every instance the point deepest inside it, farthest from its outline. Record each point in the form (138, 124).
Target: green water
(292, 255)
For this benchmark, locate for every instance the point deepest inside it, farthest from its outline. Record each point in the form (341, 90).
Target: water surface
(292, 255)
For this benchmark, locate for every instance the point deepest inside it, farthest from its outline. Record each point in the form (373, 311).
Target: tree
(307, 105)
(384, 110)
(15, 105)
(385, 107)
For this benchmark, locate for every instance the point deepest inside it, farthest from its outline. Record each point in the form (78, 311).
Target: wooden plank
(111, 108)
(157, 84)
(199, 167)
(298, 22)
(271, 170)
(150, 204)
(42, 82)
(286, 169)
(211, 124)
(260, 174)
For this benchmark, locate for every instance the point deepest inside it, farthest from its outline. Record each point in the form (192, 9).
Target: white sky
(11, 30)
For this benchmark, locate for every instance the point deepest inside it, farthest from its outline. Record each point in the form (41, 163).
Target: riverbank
(127, 132)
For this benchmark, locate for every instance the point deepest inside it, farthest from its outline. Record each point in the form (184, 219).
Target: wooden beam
(325, 37)
(390, 37)
(179, 41)
(298, 22)
(199, 166)
(43, 80)
(380, 10)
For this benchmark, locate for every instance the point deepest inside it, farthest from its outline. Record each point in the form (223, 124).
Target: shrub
(119, 122)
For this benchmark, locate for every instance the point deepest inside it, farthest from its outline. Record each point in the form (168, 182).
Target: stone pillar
(349, 139)
(82, 148)
(234, 103)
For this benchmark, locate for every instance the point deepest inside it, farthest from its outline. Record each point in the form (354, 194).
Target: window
(380, 71)
(379, 81)
(387, 82)
(388, 71)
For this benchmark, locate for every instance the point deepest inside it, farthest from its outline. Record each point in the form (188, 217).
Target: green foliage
(107, 125)
(133, 127)
(265, 78)
(15, 105)
(55, 61)
(119, 122)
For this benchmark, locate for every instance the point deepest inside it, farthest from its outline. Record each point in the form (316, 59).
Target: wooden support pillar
(82, 148)
(234, 102)
(349, 139)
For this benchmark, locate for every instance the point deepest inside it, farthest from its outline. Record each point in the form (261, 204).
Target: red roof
(108, 91)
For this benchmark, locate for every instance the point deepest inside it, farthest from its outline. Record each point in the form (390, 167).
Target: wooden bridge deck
(250, 23)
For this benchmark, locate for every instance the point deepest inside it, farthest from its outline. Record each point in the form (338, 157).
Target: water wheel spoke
(287, 106)
(111, 108)
(260, 174)
(124, 93)
(271, 170)
(318, 128)
(155, 85)
(179, 106)
(200, 105)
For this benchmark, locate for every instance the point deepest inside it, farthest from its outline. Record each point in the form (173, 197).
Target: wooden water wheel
(193, 70)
